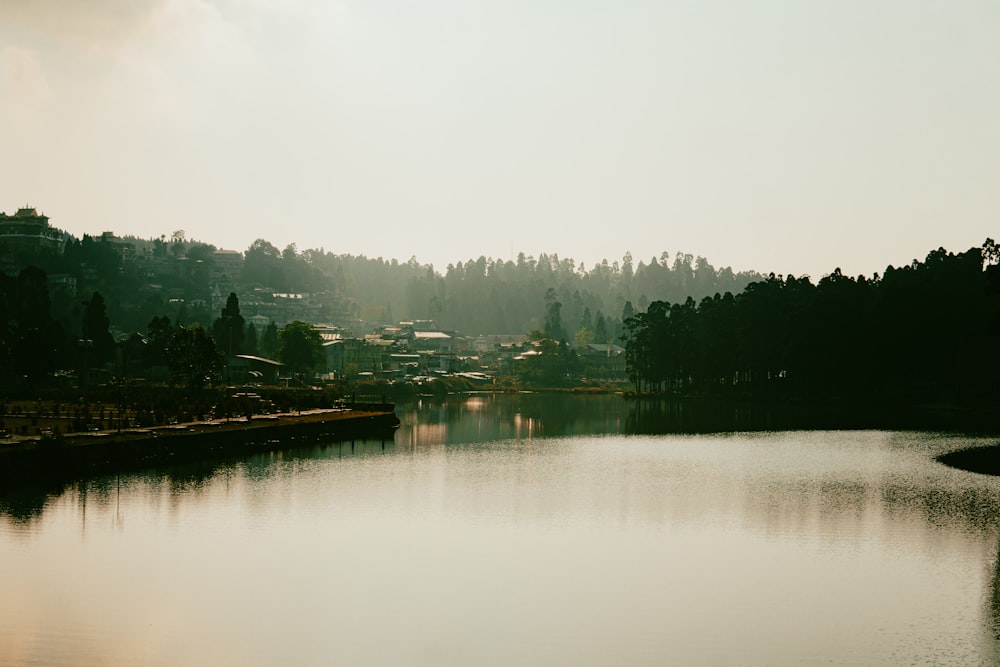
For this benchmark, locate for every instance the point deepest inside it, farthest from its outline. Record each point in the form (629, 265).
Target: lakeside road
(192, 440)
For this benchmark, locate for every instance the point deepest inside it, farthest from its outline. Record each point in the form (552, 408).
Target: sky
(792, 136)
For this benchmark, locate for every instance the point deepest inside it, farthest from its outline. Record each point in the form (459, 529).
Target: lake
(517, 530)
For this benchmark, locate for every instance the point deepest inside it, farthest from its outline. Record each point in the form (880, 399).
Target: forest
(924, 330)
(179, 278)
(927, 331)
(486, 295)
(52, 303)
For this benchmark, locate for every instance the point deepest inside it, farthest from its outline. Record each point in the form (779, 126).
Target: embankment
(192, 441)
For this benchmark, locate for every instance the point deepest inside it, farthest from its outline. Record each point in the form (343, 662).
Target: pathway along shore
(192, 440)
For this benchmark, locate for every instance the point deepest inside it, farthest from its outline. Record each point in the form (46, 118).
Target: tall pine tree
(228, 329)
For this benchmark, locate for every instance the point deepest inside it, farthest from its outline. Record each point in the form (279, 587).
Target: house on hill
(348, 355)
(29, 231)
(435, 341)
(248, 369)
(602, 360)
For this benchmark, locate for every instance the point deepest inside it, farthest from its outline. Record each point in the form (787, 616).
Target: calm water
(525, 530)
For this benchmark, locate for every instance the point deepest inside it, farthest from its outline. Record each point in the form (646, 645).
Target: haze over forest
(684, 325)
(188, 280)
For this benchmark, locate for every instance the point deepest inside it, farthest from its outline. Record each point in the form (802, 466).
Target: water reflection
(461, 419)
(523, 418)
(24, 501)
(655, 416)
(994, 598)
(520, 416)
(518, 530)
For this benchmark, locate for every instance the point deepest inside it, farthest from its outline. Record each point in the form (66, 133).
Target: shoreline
(980, 460)
(85, 452)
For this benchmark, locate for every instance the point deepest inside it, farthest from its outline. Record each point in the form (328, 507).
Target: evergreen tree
(37, 340)
(250, 342)
(600, 329)
(553, 318)
(228, 329)
(268, 345)
(95, 329)
(920, 333)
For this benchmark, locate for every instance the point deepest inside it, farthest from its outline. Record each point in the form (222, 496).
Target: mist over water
(516, 530)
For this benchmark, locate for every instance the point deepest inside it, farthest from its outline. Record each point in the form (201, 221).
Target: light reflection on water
(524, 530)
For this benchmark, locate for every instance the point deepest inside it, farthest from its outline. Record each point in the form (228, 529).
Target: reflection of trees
(654, 415)
(994, 598)
(24, 501)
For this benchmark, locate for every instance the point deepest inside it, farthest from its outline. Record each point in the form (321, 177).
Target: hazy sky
(781, 135)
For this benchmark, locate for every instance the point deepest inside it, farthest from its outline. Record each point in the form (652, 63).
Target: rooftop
(425, 335)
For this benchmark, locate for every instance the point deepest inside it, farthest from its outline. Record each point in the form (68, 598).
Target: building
(601, 360)
(228, 263)
(29, 231)
(259, 322)
(125, 249)
(434, 341)
(345, 356)
(248, 369)
(62, 283)
(494, 342)
(403, 365)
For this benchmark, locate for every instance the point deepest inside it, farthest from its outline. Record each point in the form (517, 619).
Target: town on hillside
(107, 311)
(111, 307)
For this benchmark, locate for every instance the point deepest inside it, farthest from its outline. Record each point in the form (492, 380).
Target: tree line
(196, 356)
(174, 277)
(495, 296)
(37, 349)
(925, 331)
